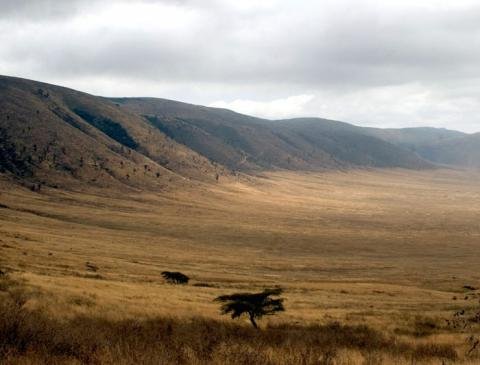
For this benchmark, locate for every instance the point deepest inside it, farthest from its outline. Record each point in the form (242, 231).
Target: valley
(372, 234)
(337, 242)
(239, 182)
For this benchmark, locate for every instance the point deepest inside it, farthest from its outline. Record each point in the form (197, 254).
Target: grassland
(389, 249)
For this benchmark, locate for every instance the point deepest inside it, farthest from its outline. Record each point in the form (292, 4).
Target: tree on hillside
(255, 305)
(175, 277)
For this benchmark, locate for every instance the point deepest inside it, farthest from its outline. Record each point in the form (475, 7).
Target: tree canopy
(255, 305)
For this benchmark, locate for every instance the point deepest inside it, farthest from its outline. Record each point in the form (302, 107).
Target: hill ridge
(54, 133)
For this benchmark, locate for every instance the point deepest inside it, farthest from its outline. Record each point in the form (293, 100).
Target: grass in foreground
(31, 336)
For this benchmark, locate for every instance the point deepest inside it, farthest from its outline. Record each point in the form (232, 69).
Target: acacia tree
(255, 305)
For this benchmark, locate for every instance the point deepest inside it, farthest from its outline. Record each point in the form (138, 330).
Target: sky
(389, 63)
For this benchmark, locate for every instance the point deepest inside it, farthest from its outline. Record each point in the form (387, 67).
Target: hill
(461, 151)
(440, 146)
(414, 139)
(57, 135)
(353, 144)
(245, 143)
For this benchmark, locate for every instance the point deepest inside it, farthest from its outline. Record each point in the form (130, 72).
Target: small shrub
(433, 350)
(175, 277)
(424, 326)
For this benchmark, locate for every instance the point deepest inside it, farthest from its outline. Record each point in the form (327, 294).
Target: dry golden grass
(389, 249)
(30, 336)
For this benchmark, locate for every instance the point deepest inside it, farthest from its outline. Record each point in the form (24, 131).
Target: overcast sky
(386, 63)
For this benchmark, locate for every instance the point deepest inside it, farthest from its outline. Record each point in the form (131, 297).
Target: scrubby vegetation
(467, 320)
(10, 160)
(111, 128)
(175, 277)
(31, 335)
(34, 337)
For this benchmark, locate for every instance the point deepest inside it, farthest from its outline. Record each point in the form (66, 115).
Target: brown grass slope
(53, 134)
(243, 142)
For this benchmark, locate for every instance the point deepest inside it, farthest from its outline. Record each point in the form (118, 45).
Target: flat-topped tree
(255, 305)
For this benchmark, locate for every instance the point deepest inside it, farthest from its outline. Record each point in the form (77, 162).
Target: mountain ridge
(412, 139)
(52, 133)
(207, 129)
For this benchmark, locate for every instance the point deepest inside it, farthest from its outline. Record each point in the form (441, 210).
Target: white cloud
(292, 106)
(409, 105)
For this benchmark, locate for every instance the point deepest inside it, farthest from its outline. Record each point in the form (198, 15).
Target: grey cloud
(352, 51)
(328, 48)
(58, 10)
(39, 10)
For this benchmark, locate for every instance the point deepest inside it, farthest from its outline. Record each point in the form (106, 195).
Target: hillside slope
(414, 138)
(461, 151)
(440, 146)
(56, 134)
(246, 143)
(352, 144)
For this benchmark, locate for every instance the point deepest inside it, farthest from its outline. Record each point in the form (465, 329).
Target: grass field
(390, 249)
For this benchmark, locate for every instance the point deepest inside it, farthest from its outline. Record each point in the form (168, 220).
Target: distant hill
(440, 146)
(352, 144)
(242, 142)
(56, 135)
(461, 151)
(414, 138)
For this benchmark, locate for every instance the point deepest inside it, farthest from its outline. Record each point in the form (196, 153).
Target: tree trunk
(252, 319)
